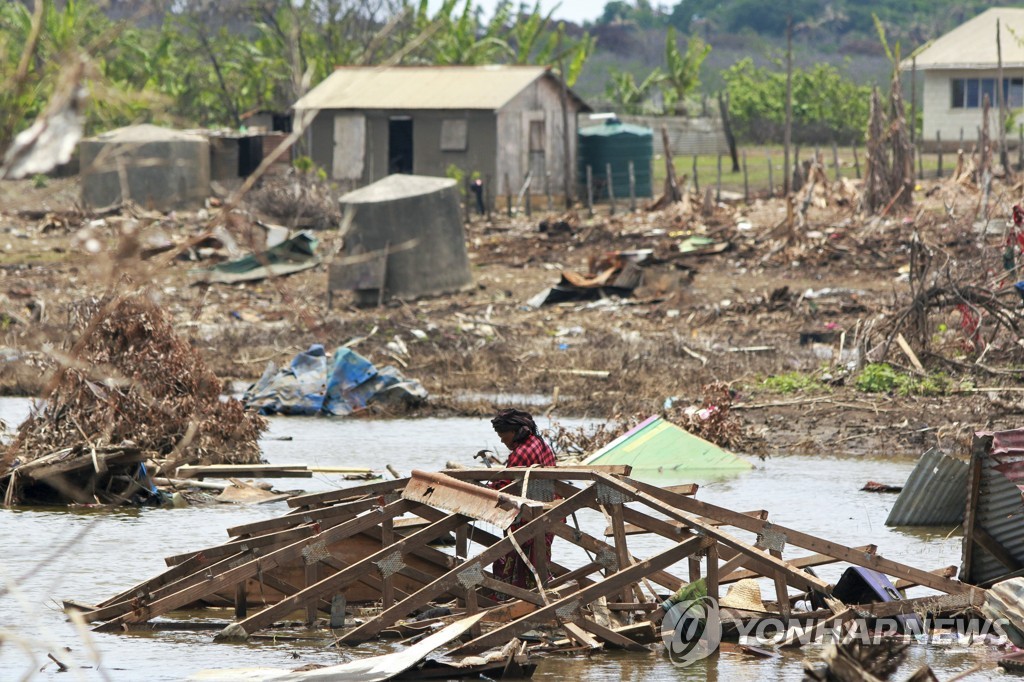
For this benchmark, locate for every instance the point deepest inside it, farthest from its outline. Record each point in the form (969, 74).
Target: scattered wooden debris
(354, 545)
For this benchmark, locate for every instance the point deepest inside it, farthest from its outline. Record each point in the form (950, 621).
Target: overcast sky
(570, 10)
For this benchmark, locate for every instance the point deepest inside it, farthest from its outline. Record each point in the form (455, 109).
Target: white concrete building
(960, 68)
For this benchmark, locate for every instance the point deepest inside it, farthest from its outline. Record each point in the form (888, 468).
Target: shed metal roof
(972, 45)
(487, 87)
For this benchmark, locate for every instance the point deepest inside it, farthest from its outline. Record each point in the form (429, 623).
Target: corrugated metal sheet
(422, 87)
(972, 45)
(1000, 507)
(935, 493)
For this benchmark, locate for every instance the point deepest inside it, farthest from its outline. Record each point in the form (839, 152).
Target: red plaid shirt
(531, 451)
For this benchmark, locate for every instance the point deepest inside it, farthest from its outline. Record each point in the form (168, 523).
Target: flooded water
(89, 555)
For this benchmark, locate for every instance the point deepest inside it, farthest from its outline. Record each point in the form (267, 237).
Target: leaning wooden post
(547, 190)
(771, 180)
(696, 180)
(718, 188)
(621, 548)
(835, 160)
(590, 191)
(746, 179)
(508, 195)
(611, 188)
(856, 162)
(920, 160)
(632, 187)
(938, 146)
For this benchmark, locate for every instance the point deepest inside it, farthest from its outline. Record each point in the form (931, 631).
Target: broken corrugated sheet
(292, 255)
(994, 519)
(934, 494)
(659, 444)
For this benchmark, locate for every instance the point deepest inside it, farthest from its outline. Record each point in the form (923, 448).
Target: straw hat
(745, 595)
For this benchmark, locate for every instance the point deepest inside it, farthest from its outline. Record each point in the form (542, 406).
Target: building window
(453, 135)
(969, 93)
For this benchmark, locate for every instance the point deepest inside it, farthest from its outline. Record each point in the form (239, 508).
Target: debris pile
(131, 390)
(311, 384)
(360, 560)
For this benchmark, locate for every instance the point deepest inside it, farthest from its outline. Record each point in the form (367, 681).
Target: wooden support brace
(676, 506)
(332, 584)
(443, 584)
(230, 575)
(567, 606)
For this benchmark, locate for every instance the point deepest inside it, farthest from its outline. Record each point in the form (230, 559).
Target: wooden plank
(781, 588)
(334, 583)
(592, 544)
(979, 450)
(202, 471)
(622, 556)
(278, 557)
(308, 516)
(443, 584)
(713, 582)
(580, 635)
(800, 562)
(993, 547)
(586, 595)
(636, 529)
(609, 636)
(582, 571)
(674, 506)
(342, 494)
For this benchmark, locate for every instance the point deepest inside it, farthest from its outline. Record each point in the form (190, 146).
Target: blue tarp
(313, 385)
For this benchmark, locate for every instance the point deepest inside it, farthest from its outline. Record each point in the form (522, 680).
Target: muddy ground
(782, 300)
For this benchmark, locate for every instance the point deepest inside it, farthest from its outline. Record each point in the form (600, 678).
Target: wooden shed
(496, 121)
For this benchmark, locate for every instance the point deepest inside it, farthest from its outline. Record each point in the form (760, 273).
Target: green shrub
(791, 382)
(878, 377)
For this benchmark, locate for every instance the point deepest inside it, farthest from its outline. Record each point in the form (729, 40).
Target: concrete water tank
(417, 222)
(157, 167)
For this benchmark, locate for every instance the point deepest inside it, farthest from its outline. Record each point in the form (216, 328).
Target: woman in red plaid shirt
(518, 432)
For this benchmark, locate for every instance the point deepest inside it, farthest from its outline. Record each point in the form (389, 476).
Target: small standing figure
(518, 432)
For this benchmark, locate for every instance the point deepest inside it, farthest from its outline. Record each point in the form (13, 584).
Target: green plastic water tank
(618, 144)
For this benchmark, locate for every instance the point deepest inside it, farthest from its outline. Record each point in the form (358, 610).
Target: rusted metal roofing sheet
(934, 494)
(421, 87)
(462, 497)
(999, 509)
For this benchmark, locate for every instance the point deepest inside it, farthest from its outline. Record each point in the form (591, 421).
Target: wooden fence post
(632, 187)
(590, 191)
(696, 180)
(938, 145)
(835, 160)
(611, 188)
(746, 179)
(718, 189)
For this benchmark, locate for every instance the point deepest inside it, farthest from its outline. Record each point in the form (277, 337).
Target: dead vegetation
(130, 383)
